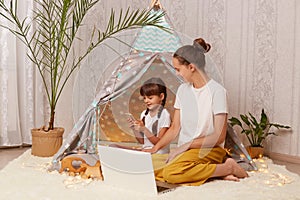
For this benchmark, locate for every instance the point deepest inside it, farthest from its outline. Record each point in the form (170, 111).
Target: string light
(265, 174)
(270, 178)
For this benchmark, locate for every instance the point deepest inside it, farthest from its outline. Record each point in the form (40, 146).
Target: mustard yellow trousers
(192, 167)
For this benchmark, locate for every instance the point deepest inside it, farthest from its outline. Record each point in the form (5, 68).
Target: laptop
(130, 170)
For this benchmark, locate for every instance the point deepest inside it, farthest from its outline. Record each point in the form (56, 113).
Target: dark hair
(154, 86)
(193, 53)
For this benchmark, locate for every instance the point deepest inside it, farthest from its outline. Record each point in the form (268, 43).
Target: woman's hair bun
(201, 45)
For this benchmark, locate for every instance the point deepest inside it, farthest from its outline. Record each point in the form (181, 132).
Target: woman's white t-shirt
(163, 121)
(197, 109)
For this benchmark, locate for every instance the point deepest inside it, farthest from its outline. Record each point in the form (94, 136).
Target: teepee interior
(113, 121)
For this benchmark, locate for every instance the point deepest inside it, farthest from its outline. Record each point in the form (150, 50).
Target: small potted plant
(256, 131)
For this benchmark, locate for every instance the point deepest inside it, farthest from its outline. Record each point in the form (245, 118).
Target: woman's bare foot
(237, 170)
(231, 178)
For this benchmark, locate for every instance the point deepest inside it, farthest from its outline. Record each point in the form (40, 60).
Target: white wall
(256, 45)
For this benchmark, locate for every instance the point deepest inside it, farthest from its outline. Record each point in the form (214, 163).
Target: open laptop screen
(127, 169)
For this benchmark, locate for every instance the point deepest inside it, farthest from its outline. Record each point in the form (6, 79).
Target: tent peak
(156, 5)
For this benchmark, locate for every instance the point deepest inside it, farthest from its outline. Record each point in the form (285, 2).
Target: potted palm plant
(256, 131)
(49, 38)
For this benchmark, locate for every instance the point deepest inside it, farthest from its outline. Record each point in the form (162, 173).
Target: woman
(200, 121)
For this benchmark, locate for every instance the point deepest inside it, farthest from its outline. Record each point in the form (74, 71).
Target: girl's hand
(138, 125)
(177, 151)
(131, 122)
(152, 150)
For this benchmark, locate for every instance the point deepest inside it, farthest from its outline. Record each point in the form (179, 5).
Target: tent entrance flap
(113, 121)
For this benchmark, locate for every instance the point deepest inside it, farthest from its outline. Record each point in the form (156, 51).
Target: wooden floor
(9, 154)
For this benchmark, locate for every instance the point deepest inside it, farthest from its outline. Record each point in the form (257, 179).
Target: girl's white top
(163, 121)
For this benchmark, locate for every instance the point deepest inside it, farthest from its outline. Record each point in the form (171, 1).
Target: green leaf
(247, 132)
(235, 121)
(245, 119)
(263, 120)
(278, 126)
(253, 120)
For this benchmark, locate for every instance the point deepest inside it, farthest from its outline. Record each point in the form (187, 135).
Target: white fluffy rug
(27, 178)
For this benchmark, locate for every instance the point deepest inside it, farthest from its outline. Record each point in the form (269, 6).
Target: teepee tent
(151, 45)
(149, 55)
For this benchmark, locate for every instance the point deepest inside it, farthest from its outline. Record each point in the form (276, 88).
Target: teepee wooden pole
(156, 4)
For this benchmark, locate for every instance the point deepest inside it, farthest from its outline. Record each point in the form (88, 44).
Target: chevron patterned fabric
(154, 39)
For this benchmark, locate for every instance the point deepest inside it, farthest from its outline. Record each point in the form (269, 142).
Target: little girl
(155, 120)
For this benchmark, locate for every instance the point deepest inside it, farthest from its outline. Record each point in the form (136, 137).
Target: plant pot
(46, 144)
(255, 152)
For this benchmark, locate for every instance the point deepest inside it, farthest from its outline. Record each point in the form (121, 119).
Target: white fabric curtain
(21, 99)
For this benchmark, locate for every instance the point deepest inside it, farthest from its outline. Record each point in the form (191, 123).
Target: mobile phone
(130, 116)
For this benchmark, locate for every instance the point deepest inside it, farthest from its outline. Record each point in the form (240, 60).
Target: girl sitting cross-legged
(155, 120)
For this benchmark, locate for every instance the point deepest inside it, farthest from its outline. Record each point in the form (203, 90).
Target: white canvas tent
(150, 54)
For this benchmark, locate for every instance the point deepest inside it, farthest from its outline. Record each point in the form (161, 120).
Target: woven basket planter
(255, 152)
(46, 144)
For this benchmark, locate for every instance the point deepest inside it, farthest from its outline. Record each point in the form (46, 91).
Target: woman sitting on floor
(200, 121)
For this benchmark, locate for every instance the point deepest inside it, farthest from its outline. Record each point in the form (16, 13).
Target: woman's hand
(177, 151)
